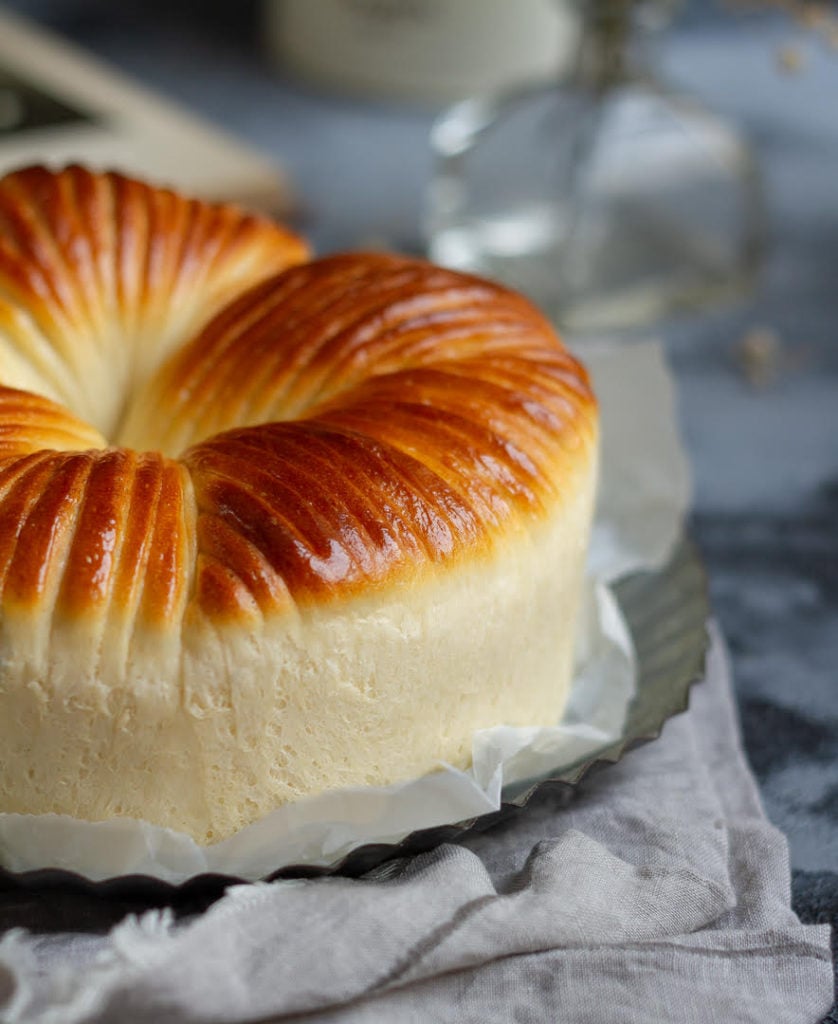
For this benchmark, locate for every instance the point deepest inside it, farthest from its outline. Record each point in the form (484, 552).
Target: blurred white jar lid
(424, 50)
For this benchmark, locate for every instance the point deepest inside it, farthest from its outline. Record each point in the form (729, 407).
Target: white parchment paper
(644, 494)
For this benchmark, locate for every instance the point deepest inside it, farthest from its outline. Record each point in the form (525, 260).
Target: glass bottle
(608, 198)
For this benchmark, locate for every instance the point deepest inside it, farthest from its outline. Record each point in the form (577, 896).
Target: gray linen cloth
(658, 893)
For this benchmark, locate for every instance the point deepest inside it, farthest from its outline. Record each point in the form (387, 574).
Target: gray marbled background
(765, 461)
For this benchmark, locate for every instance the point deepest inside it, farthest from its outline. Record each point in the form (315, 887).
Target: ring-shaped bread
(268, 525)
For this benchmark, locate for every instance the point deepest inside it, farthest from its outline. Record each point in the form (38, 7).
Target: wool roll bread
(269, 525)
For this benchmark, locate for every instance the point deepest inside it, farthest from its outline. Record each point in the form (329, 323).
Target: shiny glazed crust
(212, 452)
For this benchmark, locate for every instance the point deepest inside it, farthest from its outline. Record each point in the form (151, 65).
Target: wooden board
(58, 105)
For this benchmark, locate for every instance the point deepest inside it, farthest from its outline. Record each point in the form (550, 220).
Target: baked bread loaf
(268, 525)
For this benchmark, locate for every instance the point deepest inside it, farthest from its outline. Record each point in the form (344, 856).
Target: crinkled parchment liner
(643, 644)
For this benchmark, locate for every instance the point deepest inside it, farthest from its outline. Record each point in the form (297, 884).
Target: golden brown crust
(31, 423)
(95, 532)
(425, 414)
(101, 276)
(341, 424)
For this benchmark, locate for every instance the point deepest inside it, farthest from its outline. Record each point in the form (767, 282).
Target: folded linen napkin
(659, 891)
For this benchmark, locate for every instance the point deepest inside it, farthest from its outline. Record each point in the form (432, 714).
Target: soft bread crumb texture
(268, 525)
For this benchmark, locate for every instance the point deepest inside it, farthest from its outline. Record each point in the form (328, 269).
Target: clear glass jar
(608, 198)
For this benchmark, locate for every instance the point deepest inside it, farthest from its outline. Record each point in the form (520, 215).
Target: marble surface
(765, 459)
